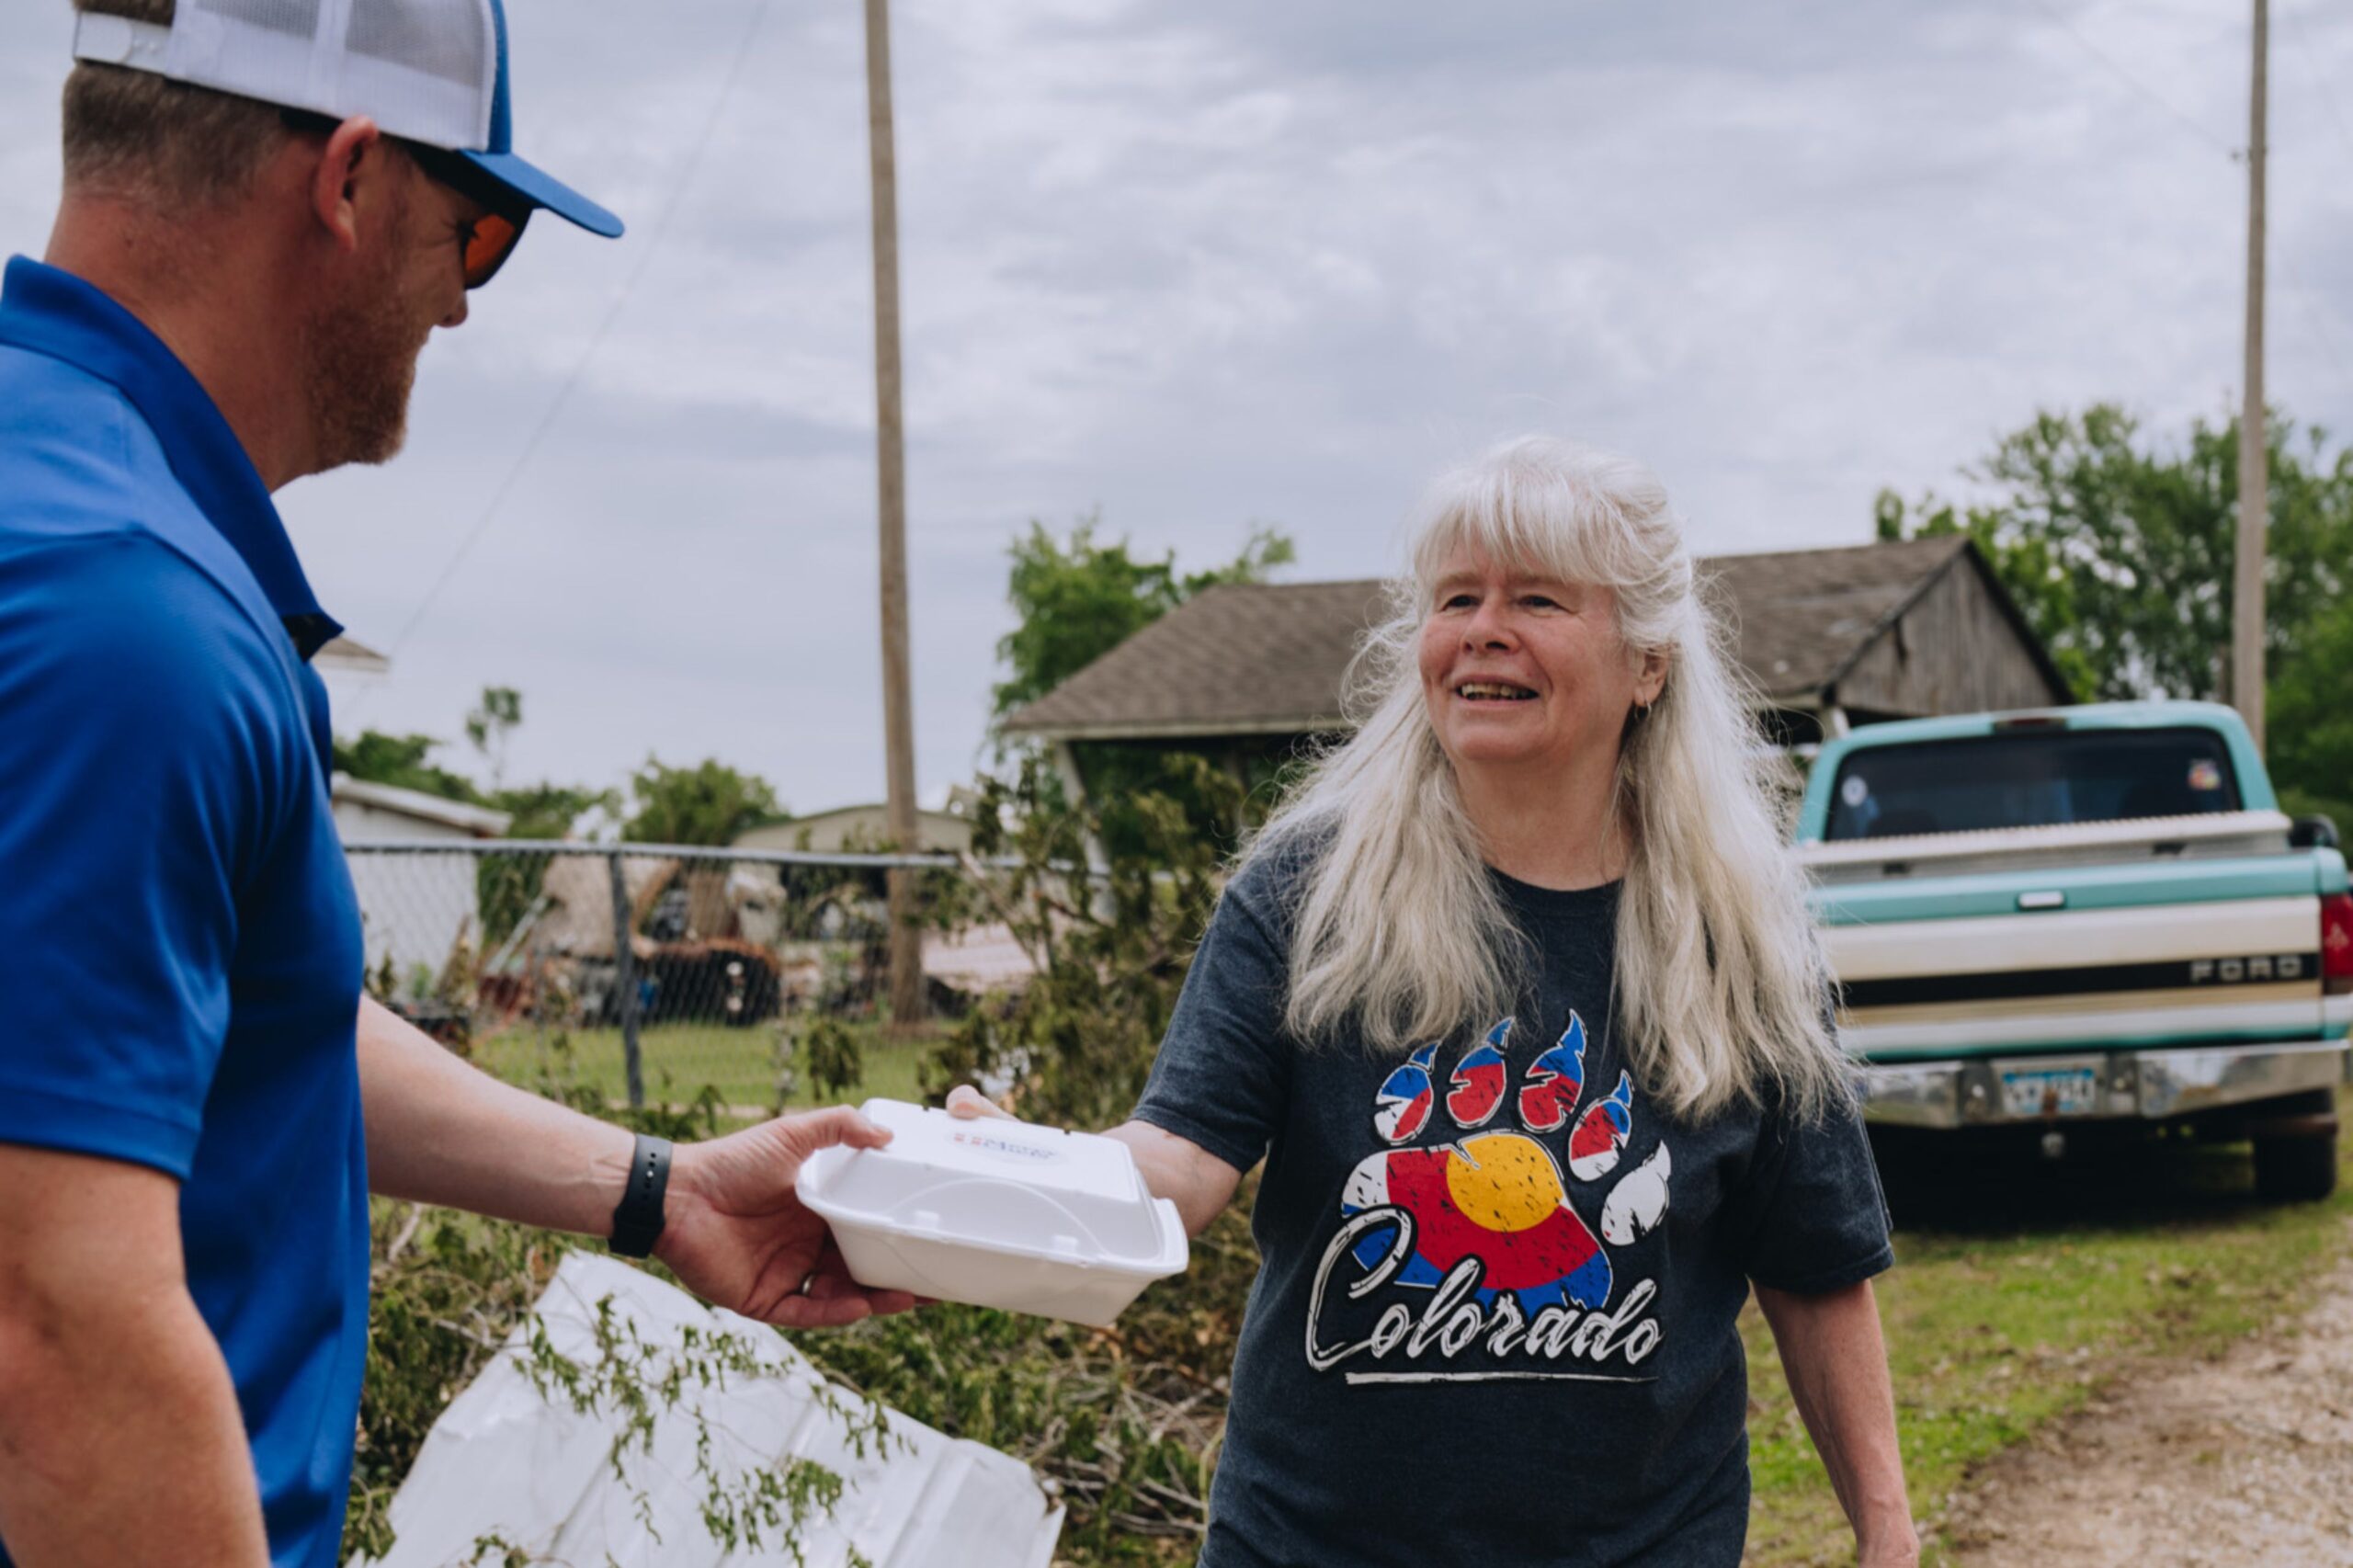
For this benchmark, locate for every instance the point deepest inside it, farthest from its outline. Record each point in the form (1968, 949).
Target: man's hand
(441, 1132)
(739, 1236)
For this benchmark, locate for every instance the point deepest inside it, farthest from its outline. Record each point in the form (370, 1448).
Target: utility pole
(2254, 500)
(898, 703)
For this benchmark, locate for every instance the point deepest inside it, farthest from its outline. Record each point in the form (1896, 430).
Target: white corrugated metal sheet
(506, 1460)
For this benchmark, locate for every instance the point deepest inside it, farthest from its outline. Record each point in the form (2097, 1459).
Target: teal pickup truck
(2085, 915)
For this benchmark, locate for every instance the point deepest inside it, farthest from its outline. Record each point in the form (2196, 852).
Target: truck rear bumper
(2149, 1084)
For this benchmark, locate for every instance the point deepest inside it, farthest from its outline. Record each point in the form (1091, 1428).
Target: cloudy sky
(1220, 262)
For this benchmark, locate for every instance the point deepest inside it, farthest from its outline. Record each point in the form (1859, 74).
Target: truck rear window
(2036, 779)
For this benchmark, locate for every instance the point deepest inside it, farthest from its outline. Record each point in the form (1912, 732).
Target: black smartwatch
(638, 1219)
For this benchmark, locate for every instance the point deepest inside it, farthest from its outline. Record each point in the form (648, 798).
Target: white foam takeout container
(996, 1213)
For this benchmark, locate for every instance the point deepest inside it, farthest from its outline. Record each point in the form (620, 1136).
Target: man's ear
(356, 160)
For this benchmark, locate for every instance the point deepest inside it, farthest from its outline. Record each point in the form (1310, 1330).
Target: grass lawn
(679, 1059)
(2019, 1288)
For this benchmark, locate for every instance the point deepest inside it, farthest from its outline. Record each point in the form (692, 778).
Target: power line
(2319, 82)
(555, 408)
(2187, 121)
(2304, 295)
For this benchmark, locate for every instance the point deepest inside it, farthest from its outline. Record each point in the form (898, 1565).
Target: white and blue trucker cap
(428, 71)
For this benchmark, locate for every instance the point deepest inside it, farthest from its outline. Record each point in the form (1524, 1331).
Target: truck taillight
(2336, 944)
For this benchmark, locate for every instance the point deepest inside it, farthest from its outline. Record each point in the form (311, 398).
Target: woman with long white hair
(1517, 998)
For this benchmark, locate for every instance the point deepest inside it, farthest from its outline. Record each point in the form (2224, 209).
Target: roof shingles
(1269, 658)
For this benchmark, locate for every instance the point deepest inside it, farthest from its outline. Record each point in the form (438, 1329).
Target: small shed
(417, 907)
(860, 827)
(348, 656)
(351, 669)
(1830, 638)
(364, 811)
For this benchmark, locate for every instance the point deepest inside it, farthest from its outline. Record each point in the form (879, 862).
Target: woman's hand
(1894, 1552)
(1188, 1175)
(969, 1104)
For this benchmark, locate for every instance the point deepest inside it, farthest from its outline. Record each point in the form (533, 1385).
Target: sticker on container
(2205, 776)
(1008, 1149)
(1854, 791)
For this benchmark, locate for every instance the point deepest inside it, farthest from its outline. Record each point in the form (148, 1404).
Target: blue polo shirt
(180, 949)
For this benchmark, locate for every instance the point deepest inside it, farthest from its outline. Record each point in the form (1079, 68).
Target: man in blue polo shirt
(269, 204)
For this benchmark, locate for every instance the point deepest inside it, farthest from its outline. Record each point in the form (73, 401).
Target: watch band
(638, 1219)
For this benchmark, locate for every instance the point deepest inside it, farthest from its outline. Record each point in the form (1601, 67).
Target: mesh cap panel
(428, 71)
(449, 38)
(297, 19)
(425, 70)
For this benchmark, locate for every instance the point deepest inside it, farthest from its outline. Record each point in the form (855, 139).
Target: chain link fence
(646, 973)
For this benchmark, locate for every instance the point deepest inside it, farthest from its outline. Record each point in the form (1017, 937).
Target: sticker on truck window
(2205, 776)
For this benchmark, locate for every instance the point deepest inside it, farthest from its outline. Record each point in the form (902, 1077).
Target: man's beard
(362, 353)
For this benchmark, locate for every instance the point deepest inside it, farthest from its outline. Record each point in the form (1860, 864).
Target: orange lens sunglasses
(488, 244)
(493, 237)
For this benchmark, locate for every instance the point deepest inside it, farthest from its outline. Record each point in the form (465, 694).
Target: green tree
(2307, 722)
(537, 811)
(1079, 597)
(709, 803)
(492, 725)
(404, 762)
(2119, 548)
(549, 811)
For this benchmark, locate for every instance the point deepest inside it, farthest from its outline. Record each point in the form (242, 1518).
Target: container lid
(1005, 1185)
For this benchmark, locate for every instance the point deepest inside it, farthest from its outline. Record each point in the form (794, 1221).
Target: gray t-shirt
(1494, 1321)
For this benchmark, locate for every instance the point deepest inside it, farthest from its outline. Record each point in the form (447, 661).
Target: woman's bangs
(1545, 536)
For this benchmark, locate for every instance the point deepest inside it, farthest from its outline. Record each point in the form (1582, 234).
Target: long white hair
(1401, 936)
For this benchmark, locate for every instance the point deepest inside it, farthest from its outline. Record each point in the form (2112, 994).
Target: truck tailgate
(2153, 952)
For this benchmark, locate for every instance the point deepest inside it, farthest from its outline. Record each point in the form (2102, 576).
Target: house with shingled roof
(1829, 639)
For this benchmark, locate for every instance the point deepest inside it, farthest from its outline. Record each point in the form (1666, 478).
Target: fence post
(625, 976)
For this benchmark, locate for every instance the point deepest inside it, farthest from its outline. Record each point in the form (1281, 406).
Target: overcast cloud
(1218, 262)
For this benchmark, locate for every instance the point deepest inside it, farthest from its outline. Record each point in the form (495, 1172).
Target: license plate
(2070, 1090)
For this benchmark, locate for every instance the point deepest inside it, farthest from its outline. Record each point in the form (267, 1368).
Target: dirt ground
(2243, 1459)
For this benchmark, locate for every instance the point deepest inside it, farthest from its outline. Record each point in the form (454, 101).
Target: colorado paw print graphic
(1500, 1197)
